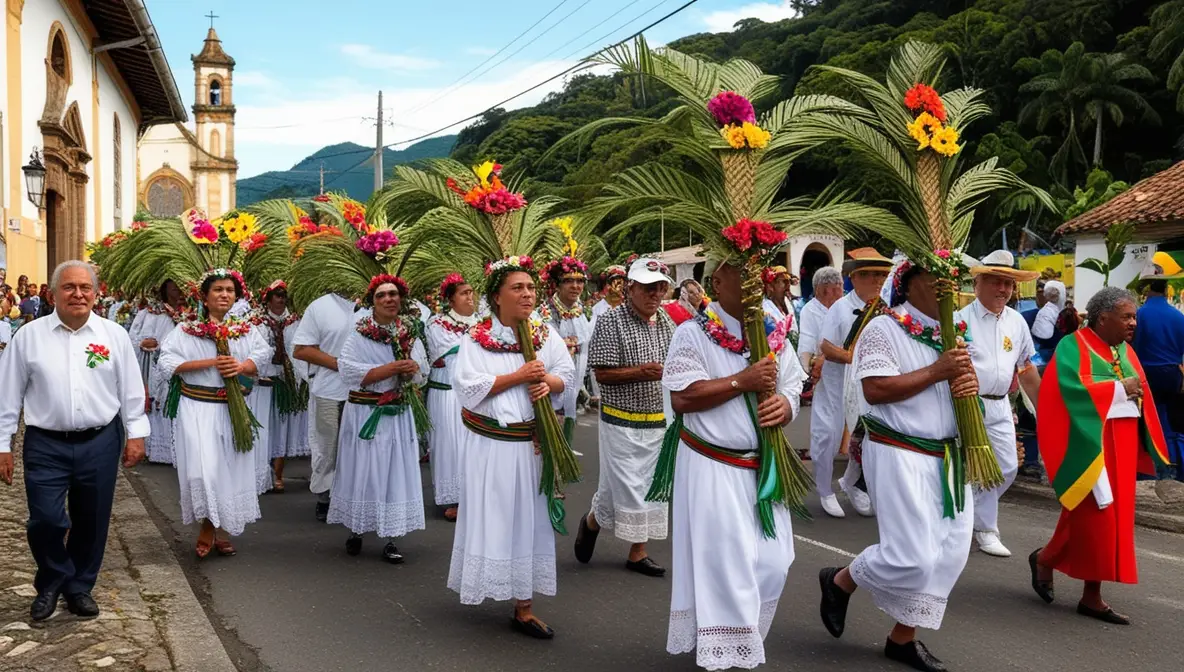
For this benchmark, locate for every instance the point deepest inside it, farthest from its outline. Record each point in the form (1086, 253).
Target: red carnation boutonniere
(97, 354)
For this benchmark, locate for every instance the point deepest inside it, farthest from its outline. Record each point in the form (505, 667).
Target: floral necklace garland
(714, 327)
(264, 317)
(483, 335)
(566, 313)
(929, 336)
(449, 324)
(399, 334)
(163, 308)
(229, 329)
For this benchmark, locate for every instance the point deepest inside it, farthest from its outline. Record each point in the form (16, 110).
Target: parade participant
(1159, 344)
(288, 423)
(1001, 345)
(74, 374)
(778, 298)
(1097, 428)
(828, 288)
(628, 350)
(568, 276)
(327, 322)
(376, 484)
(149, 329)
(612, 285)
(504, 548)
(727, 573)
(689, 304)
(1044, 326)
(213, 434)
(117, 302)
(444, 335)
(922, 505)
(868, 270)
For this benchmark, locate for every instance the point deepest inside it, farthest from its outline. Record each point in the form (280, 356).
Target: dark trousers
(70, 487)
(1165, 383)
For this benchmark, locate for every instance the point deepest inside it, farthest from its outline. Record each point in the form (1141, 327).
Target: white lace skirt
(727, 578)
(289, 434)
(159, 446)
(628, 456)
(504, 547)
(445, 445)
(217, 482)
(377, 485)
(259, 401)
(911, 572)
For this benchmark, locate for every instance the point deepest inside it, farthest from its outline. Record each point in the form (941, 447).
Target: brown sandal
(450, 514)
(278, 485)
(205, 540)
(224, 548)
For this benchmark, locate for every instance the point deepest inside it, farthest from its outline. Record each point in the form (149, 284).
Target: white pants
(921, 554)
(1001, 432)
(826, 429)
(628, 457)
(324, 422)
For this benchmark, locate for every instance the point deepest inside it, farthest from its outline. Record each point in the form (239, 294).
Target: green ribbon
(953, 462)
(662, 487)
(768, 485)
(556, 512)
(173, 399)
(376, 415)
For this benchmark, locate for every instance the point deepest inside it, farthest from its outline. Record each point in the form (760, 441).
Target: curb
(1043, 494)
(192, 643)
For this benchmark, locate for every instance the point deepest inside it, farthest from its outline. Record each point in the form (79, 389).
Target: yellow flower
(483, 172)
(734, 135)
(756, 136)
(566, 225)
(239, 227)
(945, 142)
(918, 133)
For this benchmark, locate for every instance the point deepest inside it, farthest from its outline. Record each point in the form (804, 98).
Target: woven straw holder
(502, 229)
(739, 179)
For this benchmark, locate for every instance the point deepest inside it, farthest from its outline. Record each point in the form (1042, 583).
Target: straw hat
(1001, 262)
(866, 258)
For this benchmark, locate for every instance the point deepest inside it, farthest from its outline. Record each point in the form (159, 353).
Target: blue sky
(308, 71)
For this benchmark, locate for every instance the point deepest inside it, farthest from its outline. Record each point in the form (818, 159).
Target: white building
(82, 81)
(802, 255)
(179, 167)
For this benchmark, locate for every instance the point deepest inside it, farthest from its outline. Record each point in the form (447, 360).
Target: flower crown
(226, 274)
(273, 287)
(512, 263)
(450, 280)
(382, 279)
(565, 268)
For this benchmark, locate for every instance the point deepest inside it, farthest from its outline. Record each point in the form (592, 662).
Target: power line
(588, 30)
(610, 33)
(577, 66)
(491, 57)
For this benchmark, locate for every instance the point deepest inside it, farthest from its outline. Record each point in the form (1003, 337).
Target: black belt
(993, 397)
(73, 435)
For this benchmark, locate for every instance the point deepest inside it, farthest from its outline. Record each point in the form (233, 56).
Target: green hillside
(343, 172)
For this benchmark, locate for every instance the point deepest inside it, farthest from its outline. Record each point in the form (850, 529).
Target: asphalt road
(292, 600)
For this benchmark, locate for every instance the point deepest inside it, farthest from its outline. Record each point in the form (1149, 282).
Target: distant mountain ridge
(341, 173)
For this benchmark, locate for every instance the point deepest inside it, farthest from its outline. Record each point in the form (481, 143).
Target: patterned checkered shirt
(623, 339)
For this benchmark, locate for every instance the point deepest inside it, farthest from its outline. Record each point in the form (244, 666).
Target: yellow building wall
(1039, 262)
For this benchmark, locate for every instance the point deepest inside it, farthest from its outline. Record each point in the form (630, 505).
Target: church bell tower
(214, 166)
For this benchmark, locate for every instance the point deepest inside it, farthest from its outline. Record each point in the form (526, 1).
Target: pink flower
(944, 254)
(915, 328)
(729, 107)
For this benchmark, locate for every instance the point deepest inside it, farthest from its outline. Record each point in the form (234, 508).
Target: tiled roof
(1159, 199)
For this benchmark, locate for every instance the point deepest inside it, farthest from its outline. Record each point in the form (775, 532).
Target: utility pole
(378, 148)
(322, 171)
(662, 223)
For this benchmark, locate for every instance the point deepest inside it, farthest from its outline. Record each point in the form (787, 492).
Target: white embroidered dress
(727, 578)
(155, 323)
(261, 401)
(446, 441)
(504, 546)
(580, 328)
(911, 572)
(217, 482)
(377, 485)
(289, 432)
(827, 410)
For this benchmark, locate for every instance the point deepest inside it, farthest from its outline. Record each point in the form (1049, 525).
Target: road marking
(819, 544)
(1168, 602)
(1162, 556)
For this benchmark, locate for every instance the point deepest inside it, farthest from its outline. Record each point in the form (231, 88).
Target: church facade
(82, 81)
(179, 167)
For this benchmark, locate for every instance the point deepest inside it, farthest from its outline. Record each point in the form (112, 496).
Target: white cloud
(277, 130)
(480, 51)
(254, 79)
(368, 57)
(722, 21)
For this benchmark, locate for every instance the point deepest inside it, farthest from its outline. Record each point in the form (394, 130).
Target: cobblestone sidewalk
(144, 609)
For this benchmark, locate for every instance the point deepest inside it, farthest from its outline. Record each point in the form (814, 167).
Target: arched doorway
(53, 204)
(64, 147)
(815, 257)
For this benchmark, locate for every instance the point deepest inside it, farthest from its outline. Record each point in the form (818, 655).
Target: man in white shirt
(322, 332)
(868, 270)
(1000, 346)
(828, 288)
(77, 376)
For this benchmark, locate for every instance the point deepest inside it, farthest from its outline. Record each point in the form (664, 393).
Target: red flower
(322, 198)
(924, 98)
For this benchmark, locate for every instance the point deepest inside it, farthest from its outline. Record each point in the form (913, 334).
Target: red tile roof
(1159, 199)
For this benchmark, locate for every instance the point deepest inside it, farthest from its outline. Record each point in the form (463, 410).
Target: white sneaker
(859, 499)
(988, 542)
(830, 504)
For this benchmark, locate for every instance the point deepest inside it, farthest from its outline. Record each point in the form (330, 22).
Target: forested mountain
(1075, 85)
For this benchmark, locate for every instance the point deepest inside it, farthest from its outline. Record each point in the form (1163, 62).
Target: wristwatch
(735, 384)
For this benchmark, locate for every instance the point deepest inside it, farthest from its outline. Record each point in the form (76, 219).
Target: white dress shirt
(45, 369)
(1045, 323)
(326, 324)
(999, 346)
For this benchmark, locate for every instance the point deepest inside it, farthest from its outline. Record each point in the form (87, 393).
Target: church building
(180, 168)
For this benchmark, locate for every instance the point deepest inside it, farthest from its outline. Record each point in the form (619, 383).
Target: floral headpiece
(771, 273)
(489, 195)
(737, 121)
(377, 243)
(613, 272)
(496, 271)
(274, 287)
(928, 127)
(198, 227)
(383, 279)
(450, 280)
(226, 274)
(565, 268)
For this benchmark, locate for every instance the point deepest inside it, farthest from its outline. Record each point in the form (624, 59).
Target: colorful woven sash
(436, 385)
(213, 395)
(616, 416)
(439, 363)
(492, 429)
(741, 459)
(953, 471)
(394, 405)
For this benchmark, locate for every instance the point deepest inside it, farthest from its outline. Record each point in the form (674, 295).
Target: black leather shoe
(1106, 615)
(834, 602)
(82, 605)
(585, 541)
(391, 553)
(44, 605)
(646, 566)
(1042, 588)
(535, 629)
(353, 545)
(915, 655)
(322, 511)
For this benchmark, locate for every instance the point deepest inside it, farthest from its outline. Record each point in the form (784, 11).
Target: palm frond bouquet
(909, 133)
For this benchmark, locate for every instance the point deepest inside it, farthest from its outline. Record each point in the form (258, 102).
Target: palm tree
(1058, 94)
(1168, 21)
(1106, 94)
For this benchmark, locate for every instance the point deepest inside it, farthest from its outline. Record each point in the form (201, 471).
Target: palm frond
(328, 263)
(914, 62)
(891, 113)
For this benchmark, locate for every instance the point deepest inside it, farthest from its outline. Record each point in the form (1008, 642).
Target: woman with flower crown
(289, 409)
(377, 486)
(148, 330)
(213, 431)
(568, 275)
(444, 335)
(504, 548)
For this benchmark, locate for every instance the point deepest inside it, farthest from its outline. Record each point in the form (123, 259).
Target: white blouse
(360, 354)
(179, 347)
(440, 341)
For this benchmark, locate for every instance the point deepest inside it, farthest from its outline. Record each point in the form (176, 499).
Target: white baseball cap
(648, 271)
